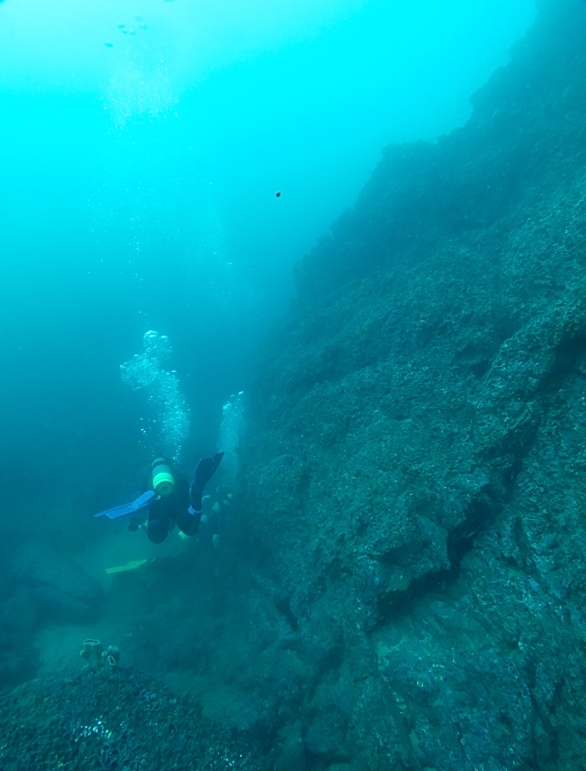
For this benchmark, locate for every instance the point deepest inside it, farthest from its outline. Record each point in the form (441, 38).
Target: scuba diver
(168, 498)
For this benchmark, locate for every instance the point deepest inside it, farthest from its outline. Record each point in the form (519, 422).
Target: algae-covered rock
(114, 719)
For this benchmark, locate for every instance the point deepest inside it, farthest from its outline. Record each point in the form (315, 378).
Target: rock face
(424, 545)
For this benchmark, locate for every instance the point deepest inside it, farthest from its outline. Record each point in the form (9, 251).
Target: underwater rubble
(114, 720)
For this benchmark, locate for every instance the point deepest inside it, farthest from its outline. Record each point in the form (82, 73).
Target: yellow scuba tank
(162, 476)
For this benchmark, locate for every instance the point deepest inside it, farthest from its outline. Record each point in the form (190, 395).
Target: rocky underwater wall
(413, 488)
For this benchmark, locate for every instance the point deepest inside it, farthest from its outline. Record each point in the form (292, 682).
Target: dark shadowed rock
(55, 583)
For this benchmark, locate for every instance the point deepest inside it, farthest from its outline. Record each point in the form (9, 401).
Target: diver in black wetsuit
(168, 498)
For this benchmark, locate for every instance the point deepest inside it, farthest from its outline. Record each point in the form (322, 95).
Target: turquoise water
(142, 147)
(140, 165)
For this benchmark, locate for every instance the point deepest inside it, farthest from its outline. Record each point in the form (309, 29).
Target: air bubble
(170, 423)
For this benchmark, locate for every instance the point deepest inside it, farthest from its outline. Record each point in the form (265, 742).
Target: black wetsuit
(174, 508)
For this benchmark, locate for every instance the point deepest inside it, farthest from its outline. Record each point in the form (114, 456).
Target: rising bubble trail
(167, 425)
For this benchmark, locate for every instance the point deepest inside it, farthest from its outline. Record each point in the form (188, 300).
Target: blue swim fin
(142, 502)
